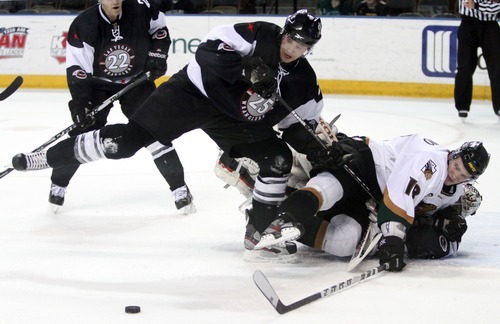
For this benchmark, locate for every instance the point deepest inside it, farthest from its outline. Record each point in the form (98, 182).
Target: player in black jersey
(109, 45)
(229, 90)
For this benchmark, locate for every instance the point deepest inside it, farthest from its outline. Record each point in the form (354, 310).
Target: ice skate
(30, 161)
(184, 200)
(56, 197)
(282, 252)
(280, 230)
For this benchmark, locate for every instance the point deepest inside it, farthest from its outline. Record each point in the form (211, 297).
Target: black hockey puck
(132, 309)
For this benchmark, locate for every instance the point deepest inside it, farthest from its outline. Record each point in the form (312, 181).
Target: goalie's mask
(303, 27)
(474, 156)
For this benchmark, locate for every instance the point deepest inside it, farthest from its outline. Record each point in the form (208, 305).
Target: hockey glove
(79, 109)
(156, 64)
(453, 227)
(262, 77)
(391, 251)
(331, 157)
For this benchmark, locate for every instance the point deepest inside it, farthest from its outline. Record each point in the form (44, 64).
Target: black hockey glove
(331, 157)
(262, 77)
(156, 64)
(453, 227)
(79, 109)
(391, 251)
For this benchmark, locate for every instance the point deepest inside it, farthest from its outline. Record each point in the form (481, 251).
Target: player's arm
(410, 181)
(159, 45)
(221, 52)
(79, 60)
(79, 70)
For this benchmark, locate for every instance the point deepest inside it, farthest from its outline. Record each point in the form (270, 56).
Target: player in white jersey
(399, 174)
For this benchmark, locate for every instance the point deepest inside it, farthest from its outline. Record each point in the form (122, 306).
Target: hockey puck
(132, 309)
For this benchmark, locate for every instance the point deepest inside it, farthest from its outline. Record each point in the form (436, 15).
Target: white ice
(119, 240)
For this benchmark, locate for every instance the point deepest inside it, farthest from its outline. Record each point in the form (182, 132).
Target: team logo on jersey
(117, 60)
(160, 34)
(80, 74)
(443, 243)
(116, 33)
(225, 47)
(254, 107)
(429, 169)
(423, 208)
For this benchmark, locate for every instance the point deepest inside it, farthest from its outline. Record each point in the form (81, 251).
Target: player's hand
(156, 64)
(79, 109)
(331, 157)
(391, 251)
(262, 77)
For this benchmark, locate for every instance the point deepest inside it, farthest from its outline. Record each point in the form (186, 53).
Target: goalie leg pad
(239, 173)
(342, 236)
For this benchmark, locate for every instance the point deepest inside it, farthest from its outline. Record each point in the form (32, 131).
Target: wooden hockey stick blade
(11, 88)
(268, 291)
(360, 255)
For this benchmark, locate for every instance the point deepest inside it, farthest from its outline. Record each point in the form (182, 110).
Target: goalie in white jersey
(399, 174)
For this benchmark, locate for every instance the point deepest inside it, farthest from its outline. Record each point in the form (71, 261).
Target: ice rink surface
(119, 240)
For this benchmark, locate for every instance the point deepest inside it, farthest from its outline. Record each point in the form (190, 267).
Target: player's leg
(168, 163)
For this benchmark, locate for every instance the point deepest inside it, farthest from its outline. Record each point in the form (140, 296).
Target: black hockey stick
(106, 102)
(11, 88)
(268, 291)
(313, 134)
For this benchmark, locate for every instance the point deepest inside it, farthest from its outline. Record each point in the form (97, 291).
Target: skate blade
(54, 208)
(189, 209)
(265, 256)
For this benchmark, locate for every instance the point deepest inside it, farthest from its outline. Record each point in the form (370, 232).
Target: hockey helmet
(303, 27)
(474, 156)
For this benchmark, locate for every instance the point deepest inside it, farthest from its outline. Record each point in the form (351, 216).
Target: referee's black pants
(472, 34)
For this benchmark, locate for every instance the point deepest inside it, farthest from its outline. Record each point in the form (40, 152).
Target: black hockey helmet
(474, 156)
(303, 27)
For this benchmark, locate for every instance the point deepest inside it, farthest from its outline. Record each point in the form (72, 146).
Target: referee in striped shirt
(479, 28)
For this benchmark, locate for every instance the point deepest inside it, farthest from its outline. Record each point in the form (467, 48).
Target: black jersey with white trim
(98, 49)
(218, 72)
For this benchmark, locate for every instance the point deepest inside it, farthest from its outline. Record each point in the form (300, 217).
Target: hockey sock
(168, 163)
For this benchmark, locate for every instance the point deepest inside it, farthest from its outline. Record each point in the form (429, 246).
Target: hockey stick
(106, 102)
(334, 120)
(268, 291)
(313, 134)
(11, 88)
(361, 252)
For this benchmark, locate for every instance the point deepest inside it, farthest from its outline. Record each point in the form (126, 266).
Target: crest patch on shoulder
(429, 169)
